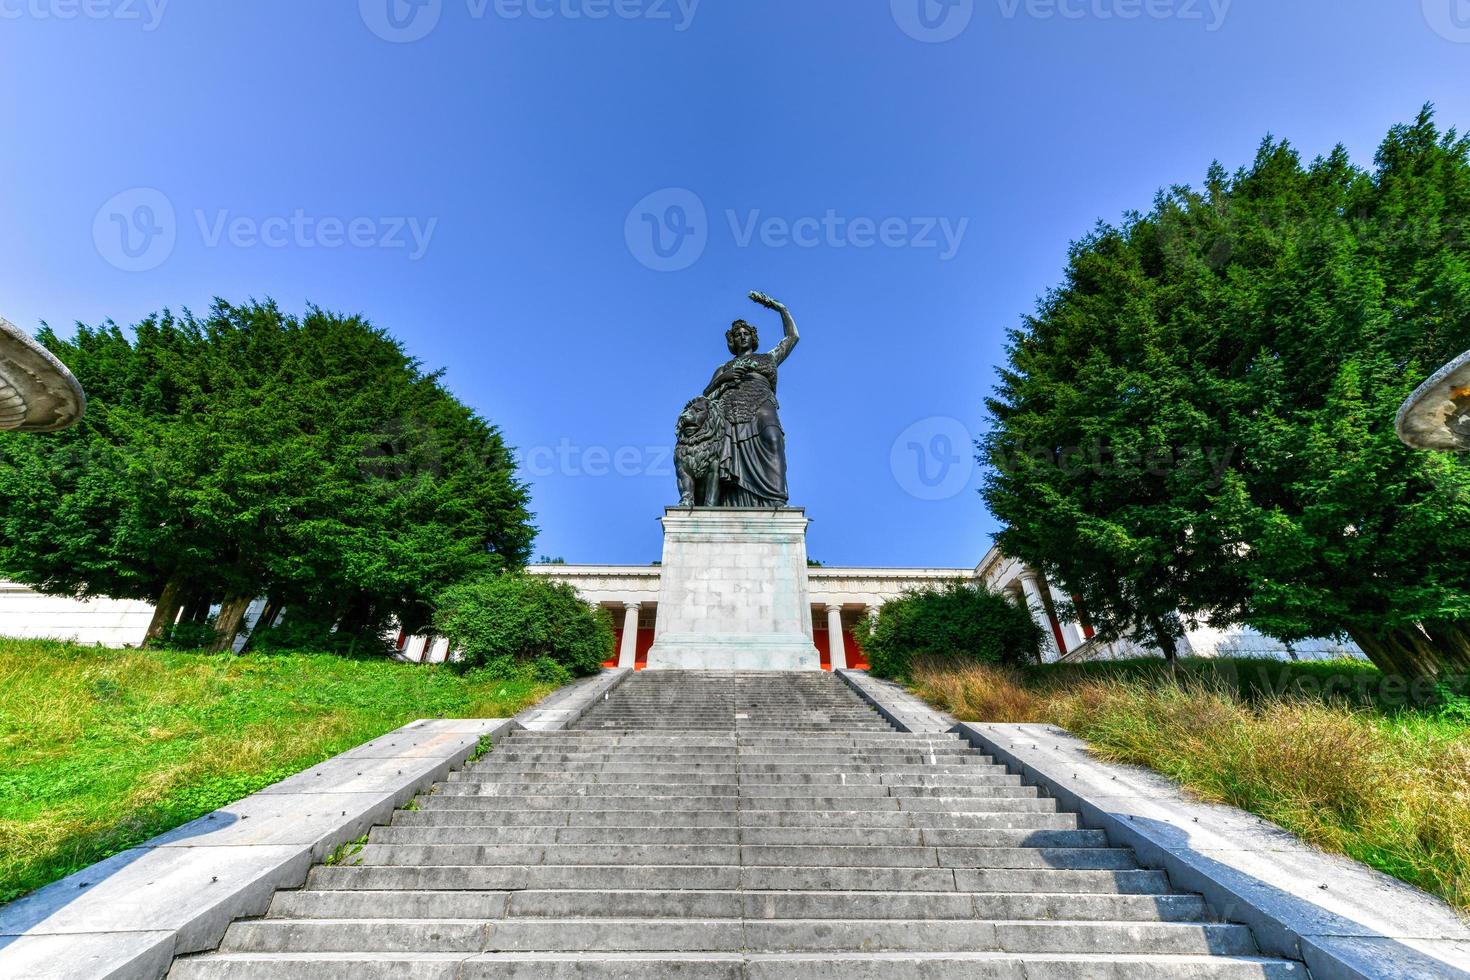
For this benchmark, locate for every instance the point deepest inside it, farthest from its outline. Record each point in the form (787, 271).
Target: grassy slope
(1325, 750)
(102, 749)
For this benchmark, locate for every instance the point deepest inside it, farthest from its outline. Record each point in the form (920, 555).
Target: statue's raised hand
(766, 301)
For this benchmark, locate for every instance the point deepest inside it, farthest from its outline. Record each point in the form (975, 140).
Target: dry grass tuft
(1391, 789)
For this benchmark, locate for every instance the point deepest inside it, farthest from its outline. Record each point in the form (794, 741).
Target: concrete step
(444, 799)
(624, 788)
(914, 837)
(578, 903)
(563, 818)
(749, 788)
(852, 824)
(755, 855)
(724, 877)
(732, 934)
(730, 966)
(425, 855)
(462, 800)
(958, 776)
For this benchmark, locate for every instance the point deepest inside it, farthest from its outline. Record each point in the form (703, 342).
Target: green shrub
(187, 636)
(520, 625)
(951, 621)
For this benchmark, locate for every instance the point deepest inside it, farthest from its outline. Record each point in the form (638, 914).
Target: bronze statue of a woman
(752, 453)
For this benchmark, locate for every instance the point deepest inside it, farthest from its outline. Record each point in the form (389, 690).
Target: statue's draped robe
(753, 455)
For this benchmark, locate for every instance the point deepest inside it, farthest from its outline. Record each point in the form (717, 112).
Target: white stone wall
(26, 614)
(109, 622)
(1001, 573)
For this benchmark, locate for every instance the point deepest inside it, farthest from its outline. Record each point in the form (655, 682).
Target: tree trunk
(165, 610)
(1423, 658)
(1453, 644)
(1167, 642)
(1401, 653)
(231, 612)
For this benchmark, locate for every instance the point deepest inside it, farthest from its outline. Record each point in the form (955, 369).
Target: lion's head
(699, 417)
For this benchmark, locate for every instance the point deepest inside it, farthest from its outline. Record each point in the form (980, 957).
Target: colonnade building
(840, 597)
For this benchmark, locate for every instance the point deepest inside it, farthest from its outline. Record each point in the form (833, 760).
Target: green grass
(1345, 758)
(102, 749)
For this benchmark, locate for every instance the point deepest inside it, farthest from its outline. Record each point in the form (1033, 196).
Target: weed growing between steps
(346, 853)
(102, 749)
(1351, 770)
(484, 745)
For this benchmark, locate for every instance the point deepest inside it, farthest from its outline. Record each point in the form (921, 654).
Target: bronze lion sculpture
(701, 435)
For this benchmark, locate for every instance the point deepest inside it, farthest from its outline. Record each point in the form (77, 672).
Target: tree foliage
(251, 453)
(1200, 417)
(509, 624)
(954, 621)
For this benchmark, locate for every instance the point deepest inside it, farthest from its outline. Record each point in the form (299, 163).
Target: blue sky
(474, 176)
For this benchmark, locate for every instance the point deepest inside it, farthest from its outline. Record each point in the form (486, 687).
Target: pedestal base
(733, 592)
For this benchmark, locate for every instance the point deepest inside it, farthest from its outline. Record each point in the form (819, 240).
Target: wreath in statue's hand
(766, 301)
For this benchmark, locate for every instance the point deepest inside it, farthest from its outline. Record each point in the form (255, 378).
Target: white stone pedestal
(733, 591)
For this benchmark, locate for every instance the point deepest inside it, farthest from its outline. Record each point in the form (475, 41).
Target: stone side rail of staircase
(1340, 917)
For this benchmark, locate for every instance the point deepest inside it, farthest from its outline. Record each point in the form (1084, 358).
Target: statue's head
(742, 338)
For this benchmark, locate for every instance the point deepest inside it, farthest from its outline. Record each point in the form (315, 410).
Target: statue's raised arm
(788, 342)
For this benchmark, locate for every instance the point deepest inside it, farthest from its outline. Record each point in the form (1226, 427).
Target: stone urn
(37, 392)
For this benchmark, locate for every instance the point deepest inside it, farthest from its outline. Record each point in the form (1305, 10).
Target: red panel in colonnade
(645, 642)
(856, 659)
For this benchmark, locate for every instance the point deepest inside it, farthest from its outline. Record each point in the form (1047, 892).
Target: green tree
(512, 623)
(252, 453)
(1200, 418)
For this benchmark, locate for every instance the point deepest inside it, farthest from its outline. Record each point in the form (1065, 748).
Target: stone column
(1071, 629)
(836, 643)
(1031, 589)
(628, 652)
(416, 648)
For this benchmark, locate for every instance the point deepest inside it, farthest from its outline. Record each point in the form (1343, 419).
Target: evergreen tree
(250, 453)
(1200, 418)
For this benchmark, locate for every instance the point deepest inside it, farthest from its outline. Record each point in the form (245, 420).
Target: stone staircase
(718, 826)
